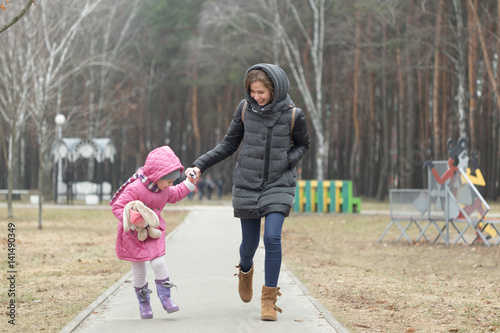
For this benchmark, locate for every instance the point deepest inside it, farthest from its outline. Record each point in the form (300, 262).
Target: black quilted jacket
(264, 178)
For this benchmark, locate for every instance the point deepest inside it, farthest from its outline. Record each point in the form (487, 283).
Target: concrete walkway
(201, 255)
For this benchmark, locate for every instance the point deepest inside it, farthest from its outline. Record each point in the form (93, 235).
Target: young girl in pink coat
(152, 185)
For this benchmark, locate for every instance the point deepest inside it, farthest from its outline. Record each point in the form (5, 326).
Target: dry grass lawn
(61, 268)
(393, 287)
(367, 286)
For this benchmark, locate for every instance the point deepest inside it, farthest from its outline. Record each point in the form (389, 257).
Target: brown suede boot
(268, 300)
(245, 284)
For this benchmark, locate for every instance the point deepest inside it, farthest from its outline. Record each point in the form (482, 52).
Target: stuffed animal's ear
(126, 217)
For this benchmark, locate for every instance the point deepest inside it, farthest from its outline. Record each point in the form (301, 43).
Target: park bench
(16, 193)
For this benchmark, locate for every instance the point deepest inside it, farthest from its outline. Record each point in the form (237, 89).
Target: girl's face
(163, 184)
(260, 93)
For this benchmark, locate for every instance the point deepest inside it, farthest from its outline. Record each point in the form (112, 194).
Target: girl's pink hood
(161, 162)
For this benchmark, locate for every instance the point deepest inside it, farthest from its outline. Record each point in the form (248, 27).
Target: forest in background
(383, 84)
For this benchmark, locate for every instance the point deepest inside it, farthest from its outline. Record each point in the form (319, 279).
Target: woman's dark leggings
(250, 229)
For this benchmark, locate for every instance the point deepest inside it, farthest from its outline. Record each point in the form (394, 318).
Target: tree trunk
(421, 122)
(385, 146)
(401, 133)
(460, 65)
(41, 151)
(426, 134)
(436, 142)
(10, 173)
(411, 120)
(371, 135)
(194, 106)
(355, 147)
(447, 89)
(194, 112)
(472, 57)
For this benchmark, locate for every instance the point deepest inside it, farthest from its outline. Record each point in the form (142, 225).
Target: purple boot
(144, 306)
(163, 289)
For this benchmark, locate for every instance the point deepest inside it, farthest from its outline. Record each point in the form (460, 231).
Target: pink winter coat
(159, 163)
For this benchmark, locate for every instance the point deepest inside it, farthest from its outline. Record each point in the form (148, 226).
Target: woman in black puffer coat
(265, 177)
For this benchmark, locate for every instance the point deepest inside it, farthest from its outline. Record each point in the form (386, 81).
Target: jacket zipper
(267, 154)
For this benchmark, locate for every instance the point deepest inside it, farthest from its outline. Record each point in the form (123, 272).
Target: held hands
(193, 174)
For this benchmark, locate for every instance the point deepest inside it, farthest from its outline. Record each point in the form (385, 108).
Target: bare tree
(276, 23)
(17, 17)
(13, 108)
(105, 42)
(57, 33)
(313, 38)
(107, 49)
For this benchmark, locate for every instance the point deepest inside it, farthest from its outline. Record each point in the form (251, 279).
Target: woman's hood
(281, 100)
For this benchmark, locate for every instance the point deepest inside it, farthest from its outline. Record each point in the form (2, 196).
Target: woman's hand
(193, 174)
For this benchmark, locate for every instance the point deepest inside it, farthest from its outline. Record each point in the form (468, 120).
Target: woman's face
(260, 93)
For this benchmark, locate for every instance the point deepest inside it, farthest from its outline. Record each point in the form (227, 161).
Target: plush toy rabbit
(138, 217)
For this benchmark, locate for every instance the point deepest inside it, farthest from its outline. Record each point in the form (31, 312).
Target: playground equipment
(451, 207)
(327, 196)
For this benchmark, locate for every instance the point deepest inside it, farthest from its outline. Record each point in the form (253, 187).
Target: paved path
(201, 254)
